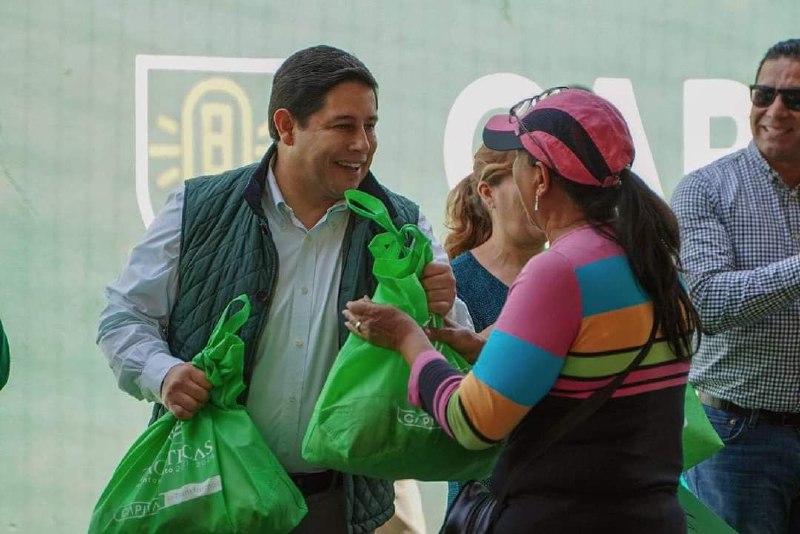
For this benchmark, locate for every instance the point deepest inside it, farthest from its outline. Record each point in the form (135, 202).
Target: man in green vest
(279, 231)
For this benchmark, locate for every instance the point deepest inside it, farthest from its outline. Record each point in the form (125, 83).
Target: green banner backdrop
(106, 105)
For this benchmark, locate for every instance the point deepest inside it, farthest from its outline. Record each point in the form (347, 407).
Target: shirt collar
(275, 195)
(758, 159)
(277, 200)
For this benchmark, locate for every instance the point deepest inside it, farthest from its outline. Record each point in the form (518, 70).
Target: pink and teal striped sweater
(574, 318)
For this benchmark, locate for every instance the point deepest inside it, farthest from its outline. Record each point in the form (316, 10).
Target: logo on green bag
(139, 509)
(188, 492)
(418, 419)
(178, 457)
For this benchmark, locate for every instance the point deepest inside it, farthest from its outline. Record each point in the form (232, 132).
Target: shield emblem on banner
(196, 116)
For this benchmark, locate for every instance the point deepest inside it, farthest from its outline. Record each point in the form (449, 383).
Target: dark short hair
(789, 48)
(302, 81)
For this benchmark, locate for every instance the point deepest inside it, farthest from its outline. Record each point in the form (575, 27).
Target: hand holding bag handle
(475, 507)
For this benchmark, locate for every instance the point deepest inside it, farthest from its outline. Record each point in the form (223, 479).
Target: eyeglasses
(763, 96)
(521, 108)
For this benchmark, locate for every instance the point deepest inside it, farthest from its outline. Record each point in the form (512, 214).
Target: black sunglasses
(763, 96)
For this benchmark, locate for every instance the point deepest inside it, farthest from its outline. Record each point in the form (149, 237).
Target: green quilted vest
(227, 250)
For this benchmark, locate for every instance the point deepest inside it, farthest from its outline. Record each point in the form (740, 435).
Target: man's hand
(185, 390)
(440, 287)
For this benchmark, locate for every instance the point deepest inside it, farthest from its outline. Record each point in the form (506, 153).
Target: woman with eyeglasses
(490, 241)
(599, 324)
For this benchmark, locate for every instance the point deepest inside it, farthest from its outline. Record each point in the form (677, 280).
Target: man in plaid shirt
(740, 225)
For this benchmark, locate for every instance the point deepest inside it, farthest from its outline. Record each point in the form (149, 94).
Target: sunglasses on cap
(521, 108)
(763, 96)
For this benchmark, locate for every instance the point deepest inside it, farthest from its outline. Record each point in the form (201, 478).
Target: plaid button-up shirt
(740, 232)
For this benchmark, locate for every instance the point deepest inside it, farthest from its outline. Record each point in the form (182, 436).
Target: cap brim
(499, 134)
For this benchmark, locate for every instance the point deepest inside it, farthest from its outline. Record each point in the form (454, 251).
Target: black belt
(766, 416)
(311, 483)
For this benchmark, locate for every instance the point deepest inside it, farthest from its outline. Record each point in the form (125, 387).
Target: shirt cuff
(459, 314)
(154, 372)
(413, 381)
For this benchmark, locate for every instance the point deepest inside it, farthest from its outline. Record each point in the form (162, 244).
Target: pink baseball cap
(576, 133)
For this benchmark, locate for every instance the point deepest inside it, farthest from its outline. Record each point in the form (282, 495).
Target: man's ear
(284, 123)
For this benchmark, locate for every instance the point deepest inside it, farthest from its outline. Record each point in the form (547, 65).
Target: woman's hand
(386, 326)
(466, 342)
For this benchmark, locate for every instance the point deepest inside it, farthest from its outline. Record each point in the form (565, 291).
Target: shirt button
(261, 295)
(298, 342)
(304, 290)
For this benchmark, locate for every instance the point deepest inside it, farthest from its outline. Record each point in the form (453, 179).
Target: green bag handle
(208, 358)
(233, 323)
(370, 207)
(374, 209)
(420, 251)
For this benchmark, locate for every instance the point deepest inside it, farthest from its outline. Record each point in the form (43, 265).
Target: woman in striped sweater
(575, 318)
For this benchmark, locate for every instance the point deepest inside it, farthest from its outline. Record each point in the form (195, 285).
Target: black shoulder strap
(578, 414)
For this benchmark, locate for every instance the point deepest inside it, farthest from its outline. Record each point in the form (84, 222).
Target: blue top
(479, 289)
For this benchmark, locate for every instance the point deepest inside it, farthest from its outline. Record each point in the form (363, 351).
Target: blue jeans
(754, 482)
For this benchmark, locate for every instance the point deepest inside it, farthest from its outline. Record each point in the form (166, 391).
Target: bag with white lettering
(212, 473)
(363, 422)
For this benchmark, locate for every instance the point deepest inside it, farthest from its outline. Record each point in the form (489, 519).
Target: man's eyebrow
(371, 118)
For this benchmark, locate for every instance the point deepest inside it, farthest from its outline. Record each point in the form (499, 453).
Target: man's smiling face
(336, 145)
(776, 129)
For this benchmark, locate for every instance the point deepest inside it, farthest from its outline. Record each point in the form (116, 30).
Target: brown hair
(466, 217)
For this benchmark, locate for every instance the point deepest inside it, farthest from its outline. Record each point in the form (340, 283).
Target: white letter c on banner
(493, 91)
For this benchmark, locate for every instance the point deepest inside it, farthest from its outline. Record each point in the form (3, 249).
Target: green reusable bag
(699, 518)
(700, 440)
(212, 473)
(363, 422)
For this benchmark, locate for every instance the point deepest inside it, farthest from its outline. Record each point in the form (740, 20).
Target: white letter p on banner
(702, 101)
